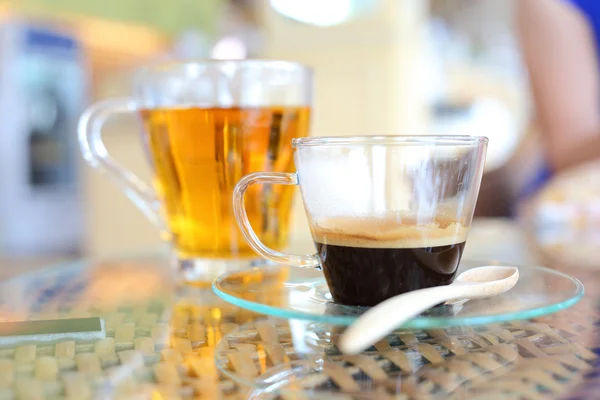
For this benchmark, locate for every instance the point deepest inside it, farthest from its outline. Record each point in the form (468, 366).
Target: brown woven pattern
(148, 349)
(518, 360)
(162, 343)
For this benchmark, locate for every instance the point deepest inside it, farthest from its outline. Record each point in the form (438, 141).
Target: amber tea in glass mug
(205, 126)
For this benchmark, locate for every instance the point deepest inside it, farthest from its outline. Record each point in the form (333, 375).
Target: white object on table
(475, 283)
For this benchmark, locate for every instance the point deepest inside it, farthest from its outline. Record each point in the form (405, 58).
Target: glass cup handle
(280, 178)
(89, 132)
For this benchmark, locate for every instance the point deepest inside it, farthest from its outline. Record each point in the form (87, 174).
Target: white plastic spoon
(475, 283)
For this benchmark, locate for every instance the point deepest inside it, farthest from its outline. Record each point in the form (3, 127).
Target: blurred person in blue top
(560, 40)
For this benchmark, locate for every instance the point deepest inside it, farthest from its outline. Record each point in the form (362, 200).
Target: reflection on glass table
(159, 337)
(283, 359)
(161, 340)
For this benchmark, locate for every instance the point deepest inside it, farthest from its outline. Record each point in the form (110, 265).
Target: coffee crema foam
(386, 233)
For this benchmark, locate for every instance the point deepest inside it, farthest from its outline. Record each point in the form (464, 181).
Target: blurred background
(381, 67)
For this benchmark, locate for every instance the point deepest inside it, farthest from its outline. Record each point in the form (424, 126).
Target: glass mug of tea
(388, 214)
(205, 125)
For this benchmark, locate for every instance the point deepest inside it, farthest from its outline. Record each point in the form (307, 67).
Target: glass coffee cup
(388, 214)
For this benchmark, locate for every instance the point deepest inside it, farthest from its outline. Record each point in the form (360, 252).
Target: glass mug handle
(239, 210)
(89, 131)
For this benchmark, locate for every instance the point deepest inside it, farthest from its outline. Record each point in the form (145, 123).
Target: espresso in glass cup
(388, 214)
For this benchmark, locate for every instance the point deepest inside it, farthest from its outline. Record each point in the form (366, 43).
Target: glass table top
(289, 358)
(164, 341)
(158, 342)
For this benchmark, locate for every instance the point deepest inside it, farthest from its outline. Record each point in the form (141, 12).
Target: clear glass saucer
(302, 293)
